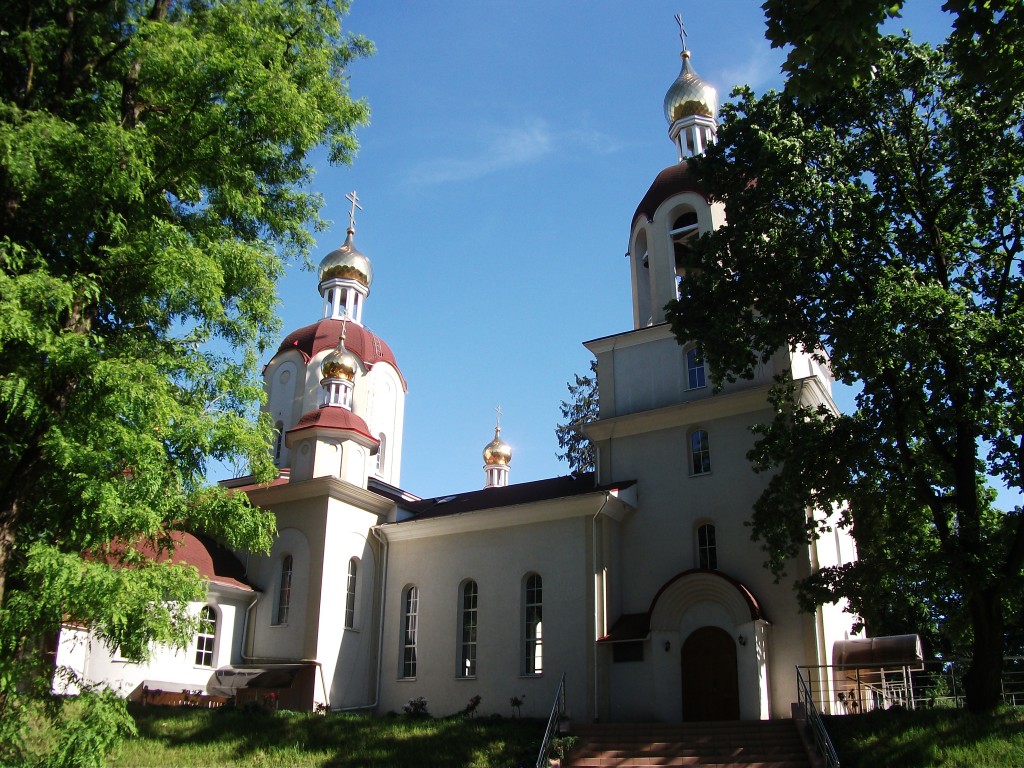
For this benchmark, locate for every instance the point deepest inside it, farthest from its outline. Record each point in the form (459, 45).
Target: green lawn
(191, 737)
(950, 738)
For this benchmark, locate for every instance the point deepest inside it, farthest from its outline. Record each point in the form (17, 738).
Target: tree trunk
(983, 681)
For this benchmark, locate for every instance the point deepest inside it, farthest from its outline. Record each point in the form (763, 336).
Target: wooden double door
(710, 683)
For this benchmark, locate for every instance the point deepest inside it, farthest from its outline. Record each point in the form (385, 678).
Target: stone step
(750, 744)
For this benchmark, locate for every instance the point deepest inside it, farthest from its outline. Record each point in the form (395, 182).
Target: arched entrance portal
(710, 685)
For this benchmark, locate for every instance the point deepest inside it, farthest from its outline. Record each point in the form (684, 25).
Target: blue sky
(508, 147)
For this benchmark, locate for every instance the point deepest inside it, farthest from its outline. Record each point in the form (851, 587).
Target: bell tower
(675, 210)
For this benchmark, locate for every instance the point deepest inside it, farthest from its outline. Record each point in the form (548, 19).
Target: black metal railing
(554, 720)
(822, 743)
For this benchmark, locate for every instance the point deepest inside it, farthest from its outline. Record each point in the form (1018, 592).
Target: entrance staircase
(733, 744)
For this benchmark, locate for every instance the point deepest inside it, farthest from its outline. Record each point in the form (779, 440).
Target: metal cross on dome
(682, 29)
(497, 420)
(353, 198)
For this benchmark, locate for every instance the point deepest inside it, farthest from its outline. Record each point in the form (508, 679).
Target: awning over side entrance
(878, 652)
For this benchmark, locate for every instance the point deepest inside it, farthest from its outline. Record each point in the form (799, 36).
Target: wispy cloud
(759, 70)
(498, 148)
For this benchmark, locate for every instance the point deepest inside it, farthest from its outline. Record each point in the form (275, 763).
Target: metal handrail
(557, 711)
(821, 740)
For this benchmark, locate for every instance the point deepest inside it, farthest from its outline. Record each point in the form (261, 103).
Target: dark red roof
(637, 626)
(671, 181)
(324, 334)
(629, 626)
(506, 496)
(215, 563)
(334, 417)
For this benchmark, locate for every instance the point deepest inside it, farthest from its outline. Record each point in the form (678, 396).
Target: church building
(638, 583)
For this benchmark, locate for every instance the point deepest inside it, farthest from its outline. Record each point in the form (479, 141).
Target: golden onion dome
(497, 452)
(347, 263)
(690, 95)
(340, 363)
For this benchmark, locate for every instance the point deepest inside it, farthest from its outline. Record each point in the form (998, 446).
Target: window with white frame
(696, 375)
(410, 616)
(467, 634)
(707, 548)
(533, 625)
(206, 637)
(284, 591)
(700, 452)
(350, 593)
(380, 453)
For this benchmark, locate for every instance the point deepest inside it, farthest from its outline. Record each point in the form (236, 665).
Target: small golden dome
(347, 262)
(340, 363)
(497, 451)
(690, 95)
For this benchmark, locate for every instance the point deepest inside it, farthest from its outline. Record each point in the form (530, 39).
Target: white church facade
(638, 582)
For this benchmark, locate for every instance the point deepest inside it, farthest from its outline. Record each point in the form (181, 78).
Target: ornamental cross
(344, 327)
(497, 420)
(682, 29)
(354, 199)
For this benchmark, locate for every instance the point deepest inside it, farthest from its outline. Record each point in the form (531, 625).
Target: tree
(881, 226)
(837, 43)
(152, 172)
(581, 407)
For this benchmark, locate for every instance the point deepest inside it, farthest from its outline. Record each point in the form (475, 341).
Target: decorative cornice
(680, 414)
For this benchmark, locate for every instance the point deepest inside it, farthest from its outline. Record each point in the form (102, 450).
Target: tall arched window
(350, 593)
(700, 452)
(707, 549)
(381, 449)
(410, 615)
(284, 592)
(696, 376)
(278, 441)
(206, 637)
(467, 621)
(533, 625)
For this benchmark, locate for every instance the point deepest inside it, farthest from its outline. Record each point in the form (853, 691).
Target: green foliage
(153, 181)
(583, 406)
(951, 738)
(838, 43)
(178, 737)
(880, 227)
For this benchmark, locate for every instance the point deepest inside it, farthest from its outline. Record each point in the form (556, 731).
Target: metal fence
(851, 690)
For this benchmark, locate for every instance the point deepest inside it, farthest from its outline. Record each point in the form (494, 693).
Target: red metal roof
(324, 334)
(334, 417)
(671, 181)
(215, 563)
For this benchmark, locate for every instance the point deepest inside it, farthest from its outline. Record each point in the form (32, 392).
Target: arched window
(684, 231)
(350, 593)
(380, 453)
(284, 591)
(696, 376)
(278, 441)
(533, 626)
(700, 452)
(467, 620)
(707, 549)
(206, 637)
(410, 614)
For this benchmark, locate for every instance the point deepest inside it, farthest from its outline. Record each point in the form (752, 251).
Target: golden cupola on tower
(497, 452)
(340, 363)
(690, 95)
(347, 263)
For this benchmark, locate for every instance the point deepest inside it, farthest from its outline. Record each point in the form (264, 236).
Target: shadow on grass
(221, 737)
(927, 738)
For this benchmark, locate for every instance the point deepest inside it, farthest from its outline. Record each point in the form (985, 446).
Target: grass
(227, 737)
(950, 738)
